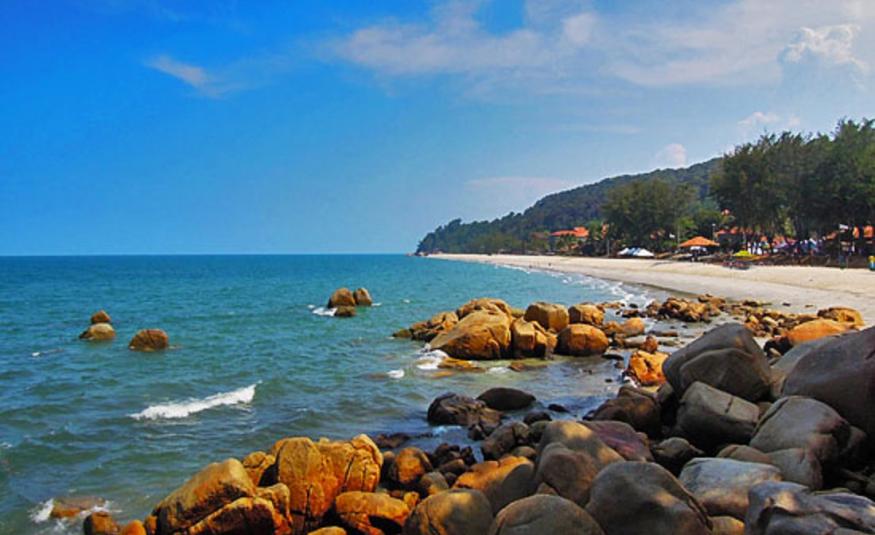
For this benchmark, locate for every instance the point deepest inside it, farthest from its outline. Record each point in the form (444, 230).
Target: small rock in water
(100, 317)
(392, 441)
(149, 340)
(100, 523)
(98, 332)
(555, 407)
(362, 297)
(73, 505)
(342, 297)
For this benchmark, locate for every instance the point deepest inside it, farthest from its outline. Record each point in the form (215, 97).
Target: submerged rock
(149, 340)
(344, 311)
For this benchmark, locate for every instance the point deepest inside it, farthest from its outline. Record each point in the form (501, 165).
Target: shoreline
(803, 288)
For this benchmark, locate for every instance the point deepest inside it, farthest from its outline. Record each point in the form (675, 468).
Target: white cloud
(758, 118)
(671, 156)
(758, 122)
(830, 44)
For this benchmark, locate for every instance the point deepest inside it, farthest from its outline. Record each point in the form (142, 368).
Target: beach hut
(699, 241)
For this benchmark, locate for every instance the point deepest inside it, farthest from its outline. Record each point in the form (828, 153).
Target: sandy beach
(802, 287)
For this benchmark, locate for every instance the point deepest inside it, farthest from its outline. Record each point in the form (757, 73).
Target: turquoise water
(252, 362)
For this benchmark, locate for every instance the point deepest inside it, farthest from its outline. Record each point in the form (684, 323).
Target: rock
(502, 482)
(409, 465)
(487, 304)
(504, 439)
(536, 416)
(149, 340)
(673, 453)
(740, 452)
(455, 409)
(651, 345)
(726, 525)
(570, 472)
(506, 399)
(646, 368)
(721, 485)
(345, 312)
(727, 358)
(633, 327)
(100, 317)
(709, 417)
(586, 313)
(98, 332)
(371, 513)
(100, 523)
(525, 451)
(330, 530)
(842, 315)
(432, 483)
(244, 515)
(279, 496)
(316, 473)
(635, 497)
(362, 297)
(455, 512)
(342, 297)
(633, 406)
(798, 465)
(134, 527)
(550, 316)
(441, 322)
(788, 508)
(798, 422)
(620, 437)
(812, 330)
(582, 340)
(787, 362)
(256, 464)
(578, 437)
(211, 489)
(840, 373)
(480, 335)
(529, 339)
(541, 515)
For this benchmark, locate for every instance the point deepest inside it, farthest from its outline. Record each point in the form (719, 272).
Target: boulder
(840, 373)
(812, 330)
(342, 297)
(279, 496)
(480, 335)
(432, 483)
(98, 332)
(636, 407)
(455, 409)
(582, 340)
(425, 331)
(740, 452)
(529, 339)
(256, 464)
(506, 399)
(541, 515)
(622, 438)
(134, 527)
(243, 515)
(504, 439)
(798, 422)
(576, 436)
(100, 523)
(709, 417)
(842, 315)
(785, 364)
(726, 525)
(570, 472)
(486, 304)
(782, 508)
(344, 311)
(362, 297)
(550, 316)
(633, 327)
(721, 485)
(408, 466)
(330, 530)
(635, 497)
(371, 513)
(646, 368)
(210, 490)
(100, 317)
(502, 482)
(454, 512)
(71, 506)
(586, 313)
(673, 453)
(727, 358)
(798, 465)
(149, 340)
(316, 472)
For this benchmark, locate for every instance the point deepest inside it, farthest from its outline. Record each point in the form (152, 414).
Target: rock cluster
(344, 301)
(101, 330)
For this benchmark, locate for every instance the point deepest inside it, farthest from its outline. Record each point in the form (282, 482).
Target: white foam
(405, 301)
(311, 307)
(193, 406)
(35, 354)
(377, 304)
(498, 369)
(395, 374)
(42, 512)
(323, 311)
(430, 359)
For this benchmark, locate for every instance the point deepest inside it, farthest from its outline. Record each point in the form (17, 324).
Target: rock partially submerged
(149, 340)
(98, 332)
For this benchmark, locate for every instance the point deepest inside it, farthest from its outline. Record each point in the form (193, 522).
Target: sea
(255, 356)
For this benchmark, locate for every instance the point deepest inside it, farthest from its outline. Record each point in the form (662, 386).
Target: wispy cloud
(759, 122)
(671, 156)
(188, 73)
(830, 44)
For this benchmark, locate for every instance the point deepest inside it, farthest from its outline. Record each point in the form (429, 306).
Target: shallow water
(255, 359)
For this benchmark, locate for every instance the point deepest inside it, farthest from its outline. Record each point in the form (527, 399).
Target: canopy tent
(637, 252)
(699, 241)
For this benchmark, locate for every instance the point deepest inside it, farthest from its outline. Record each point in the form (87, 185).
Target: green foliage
(648, 213)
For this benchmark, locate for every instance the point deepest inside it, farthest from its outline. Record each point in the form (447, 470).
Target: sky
(172, 126)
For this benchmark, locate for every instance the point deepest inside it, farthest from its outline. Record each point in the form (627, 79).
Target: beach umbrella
(699, 241)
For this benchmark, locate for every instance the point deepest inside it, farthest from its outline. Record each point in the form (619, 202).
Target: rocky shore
(760, 425)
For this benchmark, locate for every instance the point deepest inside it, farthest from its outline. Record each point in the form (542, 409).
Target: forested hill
(563, 210)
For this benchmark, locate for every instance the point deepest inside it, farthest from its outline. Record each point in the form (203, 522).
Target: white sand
(804, 288)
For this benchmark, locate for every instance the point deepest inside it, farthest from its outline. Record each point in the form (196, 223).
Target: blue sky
(348, 126)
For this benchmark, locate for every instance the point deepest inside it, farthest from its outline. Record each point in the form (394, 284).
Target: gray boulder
(782, 508)
(456, 409)
(721, 485)
(727, 358)
(543, 514)
(568, 472)
(709, 417)
(504, 439)
(798, 422)
(634, 406)
(673, 453)
(799, 465)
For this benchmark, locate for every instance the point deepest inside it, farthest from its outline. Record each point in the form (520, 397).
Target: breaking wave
(193, 406)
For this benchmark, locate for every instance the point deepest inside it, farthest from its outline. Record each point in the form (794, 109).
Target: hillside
(566, 209)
